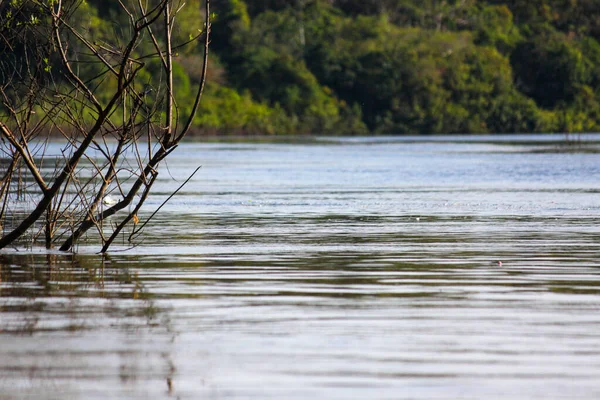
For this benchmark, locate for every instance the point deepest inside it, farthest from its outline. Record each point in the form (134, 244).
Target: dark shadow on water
(78, 287)
(73, 321)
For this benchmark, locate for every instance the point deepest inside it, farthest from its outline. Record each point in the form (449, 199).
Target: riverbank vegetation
(407, 66)
(384, 66)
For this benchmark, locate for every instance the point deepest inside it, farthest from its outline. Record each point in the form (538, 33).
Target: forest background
(385, 66)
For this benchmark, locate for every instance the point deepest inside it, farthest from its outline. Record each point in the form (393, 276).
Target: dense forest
(387, 66)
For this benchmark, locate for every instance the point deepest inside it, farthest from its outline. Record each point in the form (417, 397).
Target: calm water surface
(338, 269)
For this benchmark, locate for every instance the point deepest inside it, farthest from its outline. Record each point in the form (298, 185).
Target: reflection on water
(355, 269)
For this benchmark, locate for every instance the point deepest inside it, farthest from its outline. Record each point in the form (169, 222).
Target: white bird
(109, 200)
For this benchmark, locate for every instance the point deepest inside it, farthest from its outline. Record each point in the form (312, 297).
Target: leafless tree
(117, 124)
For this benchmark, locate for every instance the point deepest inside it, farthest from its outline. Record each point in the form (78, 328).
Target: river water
(341, 268)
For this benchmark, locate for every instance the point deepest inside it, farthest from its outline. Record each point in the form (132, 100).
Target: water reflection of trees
(43, 287)
(63, 301)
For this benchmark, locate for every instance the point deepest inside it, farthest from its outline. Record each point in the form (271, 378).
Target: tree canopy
(388, 66)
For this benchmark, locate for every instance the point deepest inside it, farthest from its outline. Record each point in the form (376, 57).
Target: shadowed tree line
(383, 66)
(408, 66)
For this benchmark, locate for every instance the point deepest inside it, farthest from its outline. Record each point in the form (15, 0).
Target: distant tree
(550, 68)
(493, 26)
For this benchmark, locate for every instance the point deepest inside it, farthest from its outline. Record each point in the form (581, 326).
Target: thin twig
(165, 202)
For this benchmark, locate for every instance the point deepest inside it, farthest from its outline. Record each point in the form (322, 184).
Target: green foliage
(227, 111)
(378, 66)
(551, 69)
(410, 80)
(231, 17)
(462, 66)
(187, 28)
(268, 61)
(494, 27)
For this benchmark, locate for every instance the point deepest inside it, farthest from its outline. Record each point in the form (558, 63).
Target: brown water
(340, 269)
